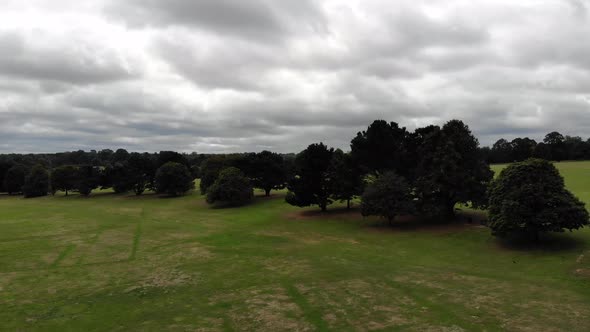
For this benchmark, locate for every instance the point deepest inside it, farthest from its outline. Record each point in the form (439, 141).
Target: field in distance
(126, 263)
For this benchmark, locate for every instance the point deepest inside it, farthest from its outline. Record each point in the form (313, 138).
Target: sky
(217, 76)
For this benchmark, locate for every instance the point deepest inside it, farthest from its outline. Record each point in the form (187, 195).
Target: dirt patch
(264, 310)
(164, 278)
(362, 304)
(583, 273)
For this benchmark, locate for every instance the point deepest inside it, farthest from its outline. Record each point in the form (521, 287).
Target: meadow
(125, 263)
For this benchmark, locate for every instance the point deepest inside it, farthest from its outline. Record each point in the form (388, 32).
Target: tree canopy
(530, 197)
(173, 179)
(231, 187)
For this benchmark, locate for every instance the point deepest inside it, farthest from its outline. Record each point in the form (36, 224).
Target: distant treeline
(83, 171)
(555, 147)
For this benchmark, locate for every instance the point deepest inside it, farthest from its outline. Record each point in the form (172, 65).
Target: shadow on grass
(256, 200)
(549, 242)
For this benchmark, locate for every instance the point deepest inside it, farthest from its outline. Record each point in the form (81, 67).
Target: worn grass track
(123, 263)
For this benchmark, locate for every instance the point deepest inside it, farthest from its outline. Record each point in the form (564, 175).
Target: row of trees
(554, 147)
(165, 173)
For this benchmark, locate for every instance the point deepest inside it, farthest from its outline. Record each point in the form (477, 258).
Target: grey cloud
(264, 19)
(61, 61)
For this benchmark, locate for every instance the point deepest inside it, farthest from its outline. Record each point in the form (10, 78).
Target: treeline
(554, 146)
(35, 175)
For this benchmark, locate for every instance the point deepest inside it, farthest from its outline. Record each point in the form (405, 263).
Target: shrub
(231, 187)
(36, 182)
(173, 179)
(387, 197)
(530, 198)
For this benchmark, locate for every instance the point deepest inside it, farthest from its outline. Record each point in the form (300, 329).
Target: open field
(123, 263)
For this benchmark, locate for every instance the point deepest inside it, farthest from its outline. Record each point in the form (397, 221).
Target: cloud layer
(229, 75)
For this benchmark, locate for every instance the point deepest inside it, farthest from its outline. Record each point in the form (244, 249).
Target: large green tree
(311, 184)
(14, 179)
(64, 178)
(382, 147)
(388, 197)
(530, 197)
(231, 187)
(267, 171)
(174, 179)
(451, 170)
(87, 179)
(345, 177)
(36, 182)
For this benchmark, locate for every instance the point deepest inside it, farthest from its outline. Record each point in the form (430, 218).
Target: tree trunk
(323, 206)
(348, 204)
(267, 192)
(66, 192)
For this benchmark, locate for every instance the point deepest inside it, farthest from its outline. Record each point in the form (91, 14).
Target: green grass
(123, 263)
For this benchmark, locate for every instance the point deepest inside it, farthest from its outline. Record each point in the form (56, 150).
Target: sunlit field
(126, 263)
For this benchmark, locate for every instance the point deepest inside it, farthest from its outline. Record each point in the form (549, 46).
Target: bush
(530, 198)
(36, 182)
(173, 179)
(387, 197)
(87, 179)
(14, 180)
(231, 187)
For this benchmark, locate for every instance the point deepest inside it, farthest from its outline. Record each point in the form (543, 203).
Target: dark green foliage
(210, 170)
(231, 187)
(451, 170)
(87, 179)
(311, 184)
(171, 156)
(388, 196)
(5, 165)
(173, 179)
(64, 178)
(556, 145)
(267, 171)
(36, 182)
(522, 149)
(345, 177)
(530, 197)
(381, 148)
(141, 172)
(14, 179)
(120, 177)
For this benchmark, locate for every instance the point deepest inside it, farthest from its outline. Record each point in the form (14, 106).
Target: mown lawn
(122, 263)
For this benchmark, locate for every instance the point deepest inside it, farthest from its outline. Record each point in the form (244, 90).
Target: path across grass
(125, 263)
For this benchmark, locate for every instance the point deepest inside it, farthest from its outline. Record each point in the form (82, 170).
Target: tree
(173, 179)
(5, 165)
(345, 177)
(381, 148)
(522, 149)
(36, 182)
(530, 197)
(87, 179)
(555, 142)
(268, 172)
(64, 178)
(119, 176)
(388, 197)
(171, 156)
(210, 170)
(14, 179)
(231, 187)
(451, 170)
(502, 151)
(141, 172)
(311, 184)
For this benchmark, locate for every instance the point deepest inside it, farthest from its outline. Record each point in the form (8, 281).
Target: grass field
(123, 263)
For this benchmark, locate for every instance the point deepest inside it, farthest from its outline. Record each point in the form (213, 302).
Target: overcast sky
(236, 75)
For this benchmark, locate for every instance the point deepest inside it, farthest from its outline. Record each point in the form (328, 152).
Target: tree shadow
(548, 242)
(410, 223)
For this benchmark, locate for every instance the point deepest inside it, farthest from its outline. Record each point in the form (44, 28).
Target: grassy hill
(112, 262)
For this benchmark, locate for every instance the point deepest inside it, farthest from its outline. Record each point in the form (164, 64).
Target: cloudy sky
(235, 75)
